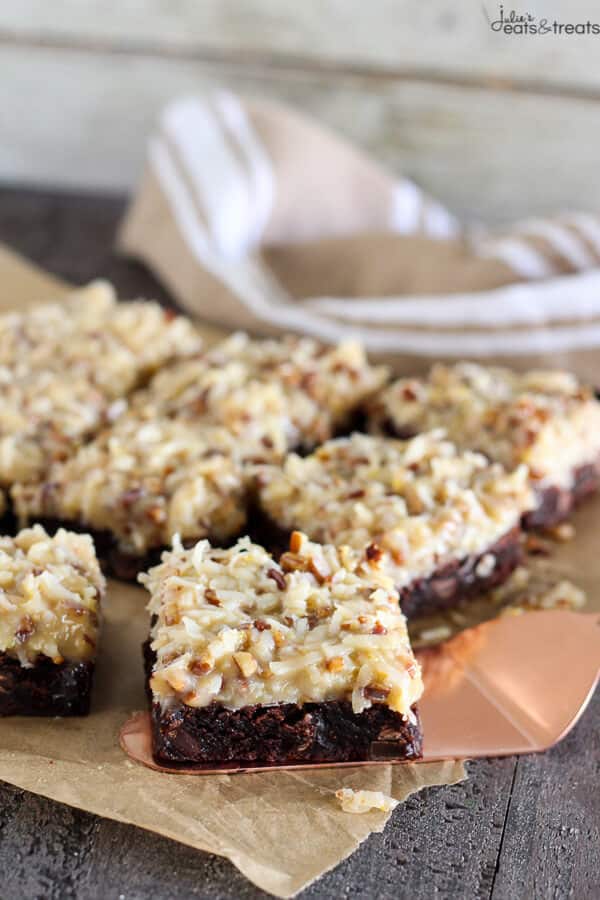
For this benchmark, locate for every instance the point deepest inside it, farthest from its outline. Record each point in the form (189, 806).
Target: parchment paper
(247, 818)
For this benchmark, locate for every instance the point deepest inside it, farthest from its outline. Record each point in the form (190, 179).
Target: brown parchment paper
(247, 818)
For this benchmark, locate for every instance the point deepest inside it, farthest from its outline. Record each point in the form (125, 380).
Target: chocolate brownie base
(459, 582)
(280, 735)
(44, 689)
(556, 504)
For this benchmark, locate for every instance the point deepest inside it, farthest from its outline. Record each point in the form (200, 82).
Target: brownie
(459, 582)
(67, 368)
(545, 420)
(140, 482)
(555, 504)
(449, 586)
(49, 622)
(552, 504)
(273, 395)
(283, 735)
(252, 661)
(442, 523)
(45, 689)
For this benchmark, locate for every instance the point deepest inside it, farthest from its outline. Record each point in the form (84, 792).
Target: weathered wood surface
(83, 119)
(527, 827)
(496, 126)
(437, 39)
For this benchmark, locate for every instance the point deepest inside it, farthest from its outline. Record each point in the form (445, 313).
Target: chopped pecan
(278, 577)
(200, 666)
(319, 569)
(296, 538)
(354, 495)
(535, 546)
(246, 663)
(156, 514)
(335, 664)
(129, 497)
(211, 597)
(291, 562)
(563, 532)
(374, 553)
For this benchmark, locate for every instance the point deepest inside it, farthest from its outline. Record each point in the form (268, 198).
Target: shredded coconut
(353, 801)
(143, 482)
(546, 420)
(275, 395)
(50, 594)
(236, 628)
(408, 506)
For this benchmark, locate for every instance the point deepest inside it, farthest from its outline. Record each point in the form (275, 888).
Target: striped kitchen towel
(256, 217)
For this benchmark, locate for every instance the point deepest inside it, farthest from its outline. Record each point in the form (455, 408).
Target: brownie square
(273, 395)
(546, 420)
(140, 482)
(255, 661)
(50, 595)
(443, 524)
(66, 369)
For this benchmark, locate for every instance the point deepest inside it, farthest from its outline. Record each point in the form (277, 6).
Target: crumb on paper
(439, 633)
(563, 595)
(562, 533)
(365, 801)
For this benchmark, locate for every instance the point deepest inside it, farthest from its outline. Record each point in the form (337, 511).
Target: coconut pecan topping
(546, 420)
(50, 590)
(277, 636)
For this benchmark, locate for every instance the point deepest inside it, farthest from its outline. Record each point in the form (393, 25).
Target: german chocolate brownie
(443, 524)
(272, 395)
(67, 368)
(545, 420)
(51, 589)
(140, 482)
(254, 661)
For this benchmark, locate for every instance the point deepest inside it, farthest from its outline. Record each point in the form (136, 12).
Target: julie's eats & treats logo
(513, 22)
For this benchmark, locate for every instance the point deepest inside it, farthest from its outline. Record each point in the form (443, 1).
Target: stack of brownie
(366, 503)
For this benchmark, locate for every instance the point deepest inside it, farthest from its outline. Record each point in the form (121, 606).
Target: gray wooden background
(496, 126)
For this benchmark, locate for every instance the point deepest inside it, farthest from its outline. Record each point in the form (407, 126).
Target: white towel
(256, 217)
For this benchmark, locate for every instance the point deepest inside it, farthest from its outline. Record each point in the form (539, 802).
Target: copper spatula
(516, 684)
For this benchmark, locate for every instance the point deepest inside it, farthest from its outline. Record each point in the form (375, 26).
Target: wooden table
(525, 827)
